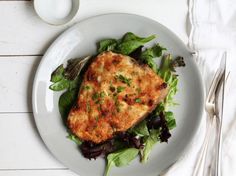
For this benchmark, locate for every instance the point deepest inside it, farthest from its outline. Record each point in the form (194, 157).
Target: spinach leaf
(120, 158)
(107, 45)
(150, 142)
(131, 43)
(60, 85)
(140, 129)
(59, 80)
(149, 54)
(66, 101)
(130, 36)
(75, 139)
(57, 74)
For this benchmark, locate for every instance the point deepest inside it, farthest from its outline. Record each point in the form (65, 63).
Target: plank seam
(30, 112)
(19, 55)
(36, 169)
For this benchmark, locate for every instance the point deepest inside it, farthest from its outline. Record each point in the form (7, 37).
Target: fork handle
(201, 160)
(216, 169)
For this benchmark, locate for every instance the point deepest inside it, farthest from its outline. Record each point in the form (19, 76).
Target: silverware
(219, 118)
(212, 115)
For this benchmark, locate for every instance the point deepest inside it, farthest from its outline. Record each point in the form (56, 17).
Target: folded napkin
(213, 31)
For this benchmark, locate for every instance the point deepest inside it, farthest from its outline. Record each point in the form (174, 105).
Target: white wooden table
(23, 40)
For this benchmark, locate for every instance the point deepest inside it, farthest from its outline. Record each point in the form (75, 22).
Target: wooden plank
(37, 173)
(23, 33)
(21, 146)
(16, 80)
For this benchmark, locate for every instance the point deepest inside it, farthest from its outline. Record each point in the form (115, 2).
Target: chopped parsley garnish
(95, 96)
(87, 87)
(102, 94)
(88, 107)
(138, 100)
(98, 96)
(97, 118)
(117, 103)
(138, 90)
(124, 79)
(120, 89)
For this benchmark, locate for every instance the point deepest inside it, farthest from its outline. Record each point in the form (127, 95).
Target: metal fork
(210, 109)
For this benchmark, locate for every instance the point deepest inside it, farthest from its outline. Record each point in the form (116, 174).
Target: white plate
(80, 40)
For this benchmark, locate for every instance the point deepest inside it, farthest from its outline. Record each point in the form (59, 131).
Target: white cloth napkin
(213, 31)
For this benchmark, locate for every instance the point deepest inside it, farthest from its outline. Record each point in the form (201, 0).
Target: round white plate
(79, 41)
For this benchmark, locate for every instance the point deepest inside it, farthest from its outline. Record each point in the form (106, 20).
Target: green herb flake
(97, 118)
(88, 107)
(117, 104)
(95, 96)
(138, 100)
(124, 79)
(87, 87)
(120, 89)
(99, 101)
(102, 94)
(139, 90)
(99, 108)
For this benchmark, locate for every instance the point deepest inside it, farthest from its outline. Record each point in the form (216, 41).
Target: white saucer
(56, 12)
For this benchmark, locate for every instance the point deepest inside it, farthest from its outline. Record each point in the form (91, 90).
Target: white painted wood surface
(37, 173)
(23, 33)
(22, 36)
(16, 80)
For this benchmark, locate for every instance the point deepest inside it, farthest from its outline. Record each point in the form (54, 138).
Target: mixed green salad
(140, 139)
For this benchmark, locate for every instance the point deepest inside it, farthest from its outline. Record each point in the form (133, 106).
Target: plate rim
(71, 28)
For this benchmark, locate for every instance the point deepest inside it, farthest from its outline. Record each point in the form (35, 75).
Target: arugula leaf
(171, 123)
(131, 42)
(140, 129)
(107, 45)
(57, 74)
(128, 44)
(120, 158)
(149, 54)
(150, 142)
(75, 139)
(170, 78)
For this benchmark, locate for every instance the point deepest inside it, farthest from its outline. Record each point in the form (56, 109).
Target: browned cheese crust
(116, 93)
